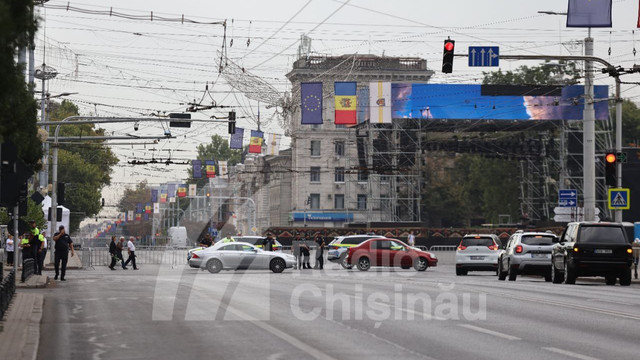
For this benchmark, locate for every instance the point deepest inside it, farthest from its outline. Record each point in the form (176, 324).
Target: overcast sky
(123, 67)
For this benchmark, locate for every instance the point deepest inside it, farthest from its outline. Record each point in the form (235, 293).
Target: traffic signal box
(610, 163)
(447, 56)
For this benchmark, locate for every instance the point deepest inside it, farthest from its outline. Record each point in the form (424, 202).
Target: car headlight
(433, 256)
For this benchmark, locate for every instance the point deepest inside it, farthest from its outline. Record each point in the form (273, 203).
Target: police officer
(25, 245)
(62, 247)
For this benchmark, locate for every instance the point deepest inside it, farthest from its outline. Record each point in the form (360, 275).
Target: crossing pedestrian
(412, 239)
(119, 248)
(113, 251)
(62, 247)
(131, 248)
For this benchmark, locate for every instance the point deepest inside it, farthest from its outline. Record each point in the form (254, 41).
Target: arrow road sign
(567, 198)
(484, 55)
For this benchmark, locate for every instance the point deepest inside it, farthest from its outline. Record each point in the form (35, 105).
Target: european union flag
(311, 102)
(236, 139)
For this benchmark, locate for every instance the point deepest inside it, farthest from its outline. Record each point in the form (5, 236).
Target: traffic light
(102, 202)
(60, 193)
(447, 56)
(232, 122)
(610, 175)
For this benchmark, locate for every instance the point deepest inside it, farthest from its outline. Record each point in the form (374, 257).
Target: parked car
(240, 256)
(477, 252)
(592, 249)
(388, 252)
(337, 248)
(527, 253)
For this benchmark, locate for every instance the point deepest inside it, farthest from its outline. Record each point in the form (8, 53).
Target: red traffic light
(610, 158)
(448, 45)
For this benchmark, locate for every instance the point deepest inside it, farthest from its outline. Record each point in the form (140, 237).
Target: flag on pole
(193, 189)
(197, 168)
(182, 190)
(224, 171)
(172, 199)
(255, 145)
(345, 97)
(146, 217)
(273, 144)
(235, 142)
(129, 215)
(589, 13)
(210, 166)
(171, 190)
(163, 197)
(156, 208)
(311, 102)
(138, 217)
(139, 208)
(154, 195)
(147, 208)
(380, 102)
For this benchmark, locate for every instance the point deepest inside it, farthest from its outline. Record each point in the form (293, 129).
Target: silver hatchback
(527, 253)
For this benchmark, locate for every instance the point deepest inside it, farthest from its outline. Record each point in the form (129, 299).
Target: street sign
(567, 198)
(618, 199)
(484, 55)
(570, 218)
(568, 211)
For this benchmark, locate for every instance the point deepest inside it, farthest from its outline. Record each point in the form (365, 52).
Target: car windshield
(472, 241)
(602, 234)
(537, 240)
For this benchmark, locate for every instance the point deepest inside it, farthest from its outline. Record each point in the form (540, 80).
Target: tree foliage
(630, 123)
(18, 109)
(562, 73)
(84, 168)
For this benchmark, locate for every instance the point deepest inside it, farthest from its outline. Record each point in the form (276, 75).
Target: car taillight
(519, 249)
(462, 247)
(493, 247)
(334, 247)
(195, 256)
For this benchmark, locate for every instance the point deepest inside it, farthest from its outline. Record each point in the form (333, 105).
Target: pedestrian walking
(113, 251)
(62, 247)
(42, 252)
(320, 253)
(304, 250)
(9, 248)
(636, 255)
(412, 239)
(131, 248)
(119, 248)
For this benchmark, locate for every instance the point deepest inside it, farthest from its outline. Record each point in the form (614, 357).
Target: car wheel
(421, 264)
(557, 276)
(277, 265)
(461, 272)
(214, 266)
(547, 277)
(625, 278)
(364, 264)
(610, 279)
(512, 273)
(343, 262)
(502, 275)
(569, 273)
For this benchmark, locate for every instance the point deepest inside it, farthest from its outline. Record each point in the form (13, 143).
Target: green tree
(85, 169)
(630, 122)
(562, 73)
(18, 109)
(217, 150)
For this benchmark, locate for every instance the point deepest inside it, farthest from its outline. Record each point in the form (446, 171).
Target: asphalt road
(182, 313)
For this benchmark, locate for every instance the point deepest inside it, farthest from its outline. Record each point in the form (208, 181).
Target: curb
(30, 350)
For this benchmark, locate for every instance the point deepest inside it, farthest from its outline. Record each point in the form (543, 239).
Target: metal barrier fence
(446, 254)
(28, 269)
(91, 257)
(1, 269)
(7, 290)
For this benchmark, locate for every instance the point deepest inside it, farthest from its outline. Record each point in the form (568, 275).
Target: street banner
(182, 190)
(311, 102)
(210, 166)
(589, 13)
(193, 189)
(255, 146)
(345, 98)
(163, 197)
(380, 102)
(224, 171)
(273, 144)
(235, 142)
(154, 195)
(156, 208)
(147, 208)
(197, 168)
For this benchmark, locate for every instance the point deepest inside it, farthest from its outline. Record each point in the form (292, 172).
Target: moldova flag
(345, 103)
(255, 145)
(163, 197)
(138, 217)
(147, 208)
(182, 190)
(210, 168)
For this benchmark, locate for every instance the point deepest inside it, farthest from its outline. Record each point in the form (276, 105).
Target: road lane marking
(569, 353)
(489, 332)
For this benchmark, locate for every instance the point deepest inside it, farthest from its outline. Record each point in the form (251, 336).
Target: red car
(389, 252)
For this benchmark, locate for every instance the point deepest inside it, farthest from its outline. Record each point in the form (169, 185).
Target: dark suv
(592, 249)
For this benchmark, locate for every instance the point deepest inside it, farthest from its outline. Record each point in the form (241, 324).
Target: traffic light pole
(589, 177)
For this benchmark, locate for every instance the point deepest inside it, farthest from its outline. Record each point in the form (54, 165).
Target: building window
(315, 174)
(315, 147)
(339, 174)
(363, 176)
(362, 202)
(315, 201)
(316, 126)
(339, 201)
(339, 148)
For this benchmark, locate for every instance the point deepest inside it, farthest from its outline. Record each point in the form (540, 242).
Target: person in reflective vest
(25, 245)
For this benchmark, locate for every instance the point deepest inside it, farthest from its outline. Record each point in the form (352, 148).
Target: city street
(164, 313)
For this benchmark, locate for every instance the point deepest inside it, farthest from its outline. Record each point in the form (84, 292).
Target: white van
(178, 236)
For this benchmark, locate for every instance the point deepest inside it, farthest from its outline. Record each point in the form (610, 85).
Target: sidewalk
(74, 262)
(33, 282)
(20, 331)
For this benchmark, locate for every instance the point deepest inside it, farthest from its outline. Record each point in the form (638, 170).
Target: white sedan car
(240, 256)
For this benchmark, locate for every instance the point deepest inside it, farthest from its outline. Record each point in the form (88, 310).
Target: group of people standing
(302, 251)
(115, 250)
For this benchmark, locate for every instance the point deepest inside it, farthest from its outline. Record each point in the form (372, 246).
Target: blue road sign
(567, 198)
(484, 55)
(619, 199)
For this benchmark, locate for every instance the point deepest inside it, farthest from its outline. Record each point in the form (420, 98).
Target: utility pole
(588, 136)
